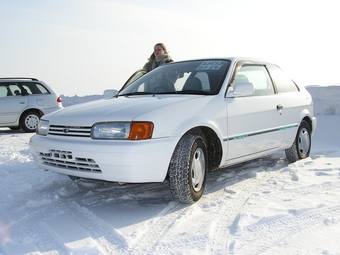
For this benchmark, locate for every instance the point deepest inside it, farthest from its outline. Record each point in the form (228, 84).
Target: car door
(294, 99)
(255, 122)
(12, 103)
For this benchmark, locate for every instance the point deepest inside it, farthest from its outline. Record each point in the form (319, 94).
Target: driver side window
(258, 76)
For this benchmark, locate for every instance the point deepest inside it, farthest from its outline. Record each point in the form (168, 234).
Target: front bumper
(117, 160)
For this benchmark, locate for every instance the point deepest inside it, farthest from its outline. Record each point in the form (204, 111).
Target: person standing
(159, 57)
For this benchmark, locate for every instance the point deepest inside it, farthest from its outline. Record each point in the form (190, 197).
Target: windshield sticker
(210, 65)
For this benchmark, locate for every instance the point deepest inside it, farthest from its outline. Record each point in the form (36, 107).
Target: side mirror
(110, 93)
(242, 89)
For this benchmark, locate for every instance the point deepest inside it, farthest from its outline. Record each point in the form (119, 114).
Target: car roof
(232, 59)
(23, 79)
(18, 78)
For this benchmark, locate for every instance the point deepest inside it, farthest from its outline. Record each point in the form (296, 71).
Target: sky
(265, 206)
(82, 47)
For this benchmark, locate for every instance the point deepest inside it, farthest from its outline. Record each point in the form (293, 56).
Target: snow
(265, 206)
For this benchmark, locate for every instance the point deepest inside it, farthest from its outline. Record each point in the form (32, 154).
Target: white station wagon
(24, 100)
(178, 122)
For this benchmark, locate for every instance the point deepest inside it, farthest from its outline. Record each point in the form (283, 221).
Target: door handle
(279, 106)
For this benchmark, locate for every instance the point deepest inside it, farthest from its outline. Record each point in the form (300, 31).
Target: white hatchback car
(24, 100)
(178, 122)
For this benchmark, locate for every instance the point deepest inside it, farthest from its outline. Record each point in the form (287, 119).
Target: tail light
(59, 100)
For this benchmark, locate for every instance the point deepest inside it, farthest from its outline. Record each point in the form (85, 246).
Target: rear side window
(9, 89)
(35, 88)
(42, 89)
(282, 82)
(3, 91)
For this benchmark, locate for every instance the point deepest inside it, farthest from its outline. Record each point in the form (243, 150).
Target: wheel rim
(197, 169)
(304, 142)
(31, 122)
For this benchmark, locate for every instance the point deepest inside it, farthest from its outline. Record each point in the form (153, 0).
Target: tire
(188, 169)
(302, 144)
(29, 121)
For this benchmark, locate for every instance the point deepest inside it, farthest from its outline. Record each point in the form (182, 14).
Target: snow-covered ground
(266, 206)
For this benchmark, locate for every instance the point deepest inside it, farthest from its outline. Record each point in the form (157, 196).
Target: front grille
(78, 131)
(65, 160)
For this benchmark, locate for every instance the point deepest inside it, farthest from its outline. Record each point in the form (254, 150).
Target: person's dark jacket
(152, 63)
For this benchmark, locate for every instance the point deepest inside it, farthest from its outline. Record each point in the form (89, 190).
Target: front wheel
(188, 169)
(301, 145)
(29, 121)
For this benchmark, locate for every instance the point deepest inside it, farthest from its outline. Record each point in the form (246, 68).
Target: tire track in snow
(290, 224)
(293, 194)
(230, 204)
(29, 226)
(233, 199)
(274, 232)
(315, 188)
(147, 241)
(41, 231)
(107, 239)
(75, 205)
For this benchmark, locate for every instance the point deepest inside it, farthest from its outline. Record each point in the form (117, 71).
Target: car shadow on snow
(146, 194)
(11, 131)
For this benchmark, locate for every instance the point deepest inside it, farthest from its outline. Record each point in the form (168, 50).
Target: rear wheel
(188, 169)
(302, 144)
(29, 121)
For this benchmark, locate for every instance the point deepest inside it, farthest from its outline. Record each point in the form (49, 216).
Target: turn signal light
(141, 130)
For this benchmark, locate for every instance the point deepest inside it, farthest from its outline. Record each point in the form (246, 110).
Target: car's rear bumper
(121, 161)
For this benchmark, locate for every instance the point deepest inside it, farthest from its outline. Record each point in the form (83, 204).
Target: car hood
(115, 109)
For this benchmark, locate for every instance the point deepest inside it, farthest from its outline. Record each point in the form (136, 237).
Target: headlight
(113, 130)
(122, 130)
(43, 127)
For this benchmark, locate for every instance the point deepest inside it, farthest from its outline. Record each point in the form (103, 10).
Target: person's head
(159, 50)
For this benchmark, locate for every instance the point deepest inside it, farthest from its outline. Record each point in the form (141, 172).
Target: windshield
(189, 77)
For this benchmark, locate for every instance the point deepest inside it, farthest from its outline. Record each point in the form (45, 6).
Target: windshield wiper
(198, 92)
(135, 93)
(192, 92)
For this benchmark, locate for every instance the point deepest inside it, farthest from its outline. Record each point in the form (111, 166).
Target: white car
(24, 100)
(178, 122)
